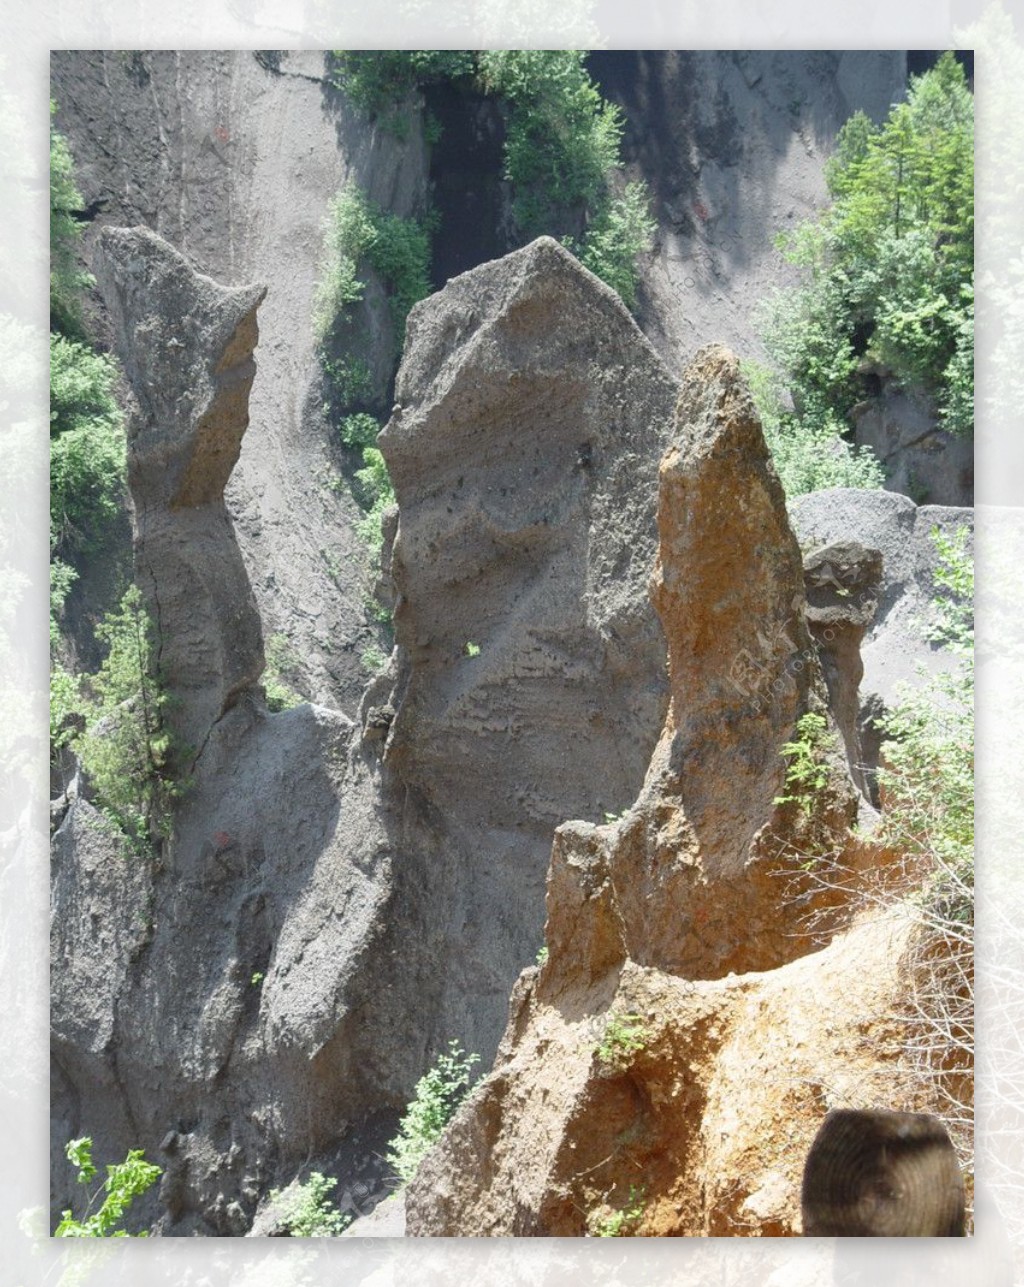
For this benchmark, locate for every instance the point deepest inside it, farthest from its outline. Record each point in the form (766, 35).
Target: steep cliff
(664, 1070)
(348, 884)
(360, 898)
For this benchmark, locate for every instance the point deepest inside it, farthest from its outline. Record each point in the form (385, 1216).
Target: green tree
(378, 80)
(890, 263)
(124, 1182)
(87, 445)
(126, 748)
(67, 279)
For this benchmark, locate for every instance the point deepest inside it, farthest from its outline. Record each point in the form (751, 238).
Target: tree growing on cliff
(889, 264)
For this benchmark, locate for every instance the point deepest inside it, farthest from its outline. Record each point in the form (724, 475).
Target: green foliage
(307, 1210)
(373, 659)
(927, 786)
(62, 578)
(347, 380)
(542, 955)
(561, 149)
(87, 445)
(471, 649)
(806, 771)
(438, 1094)
(359, 430)
(67, 280)
(348, 233)
(928, 773)
(358, 233)
(890, 262)
(808, 453)
(619, 1223)
(624, 1035)
(563, 138)
(126, 749)
(125, 1181)
(379, 80)
(620, 232)
(377, 494)
(280, 695)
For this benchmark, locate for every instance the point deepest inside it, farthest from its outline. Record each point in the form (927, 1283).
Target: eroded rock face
(658, 921)
(688, 880)
(186, 344)
(221, 970)
(531, 413)
(921, 459)
(889, 613)
(530, 688)
(338, 900)
(842, 581)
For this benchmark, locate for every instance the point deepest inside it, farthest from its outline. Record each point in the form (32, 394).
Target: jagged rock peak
(672, 926)
(688, 879)
(186, 343)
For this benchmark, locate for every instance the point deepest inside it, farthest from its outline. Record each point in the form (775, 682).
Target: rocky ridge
(680, 936)
(359, 899)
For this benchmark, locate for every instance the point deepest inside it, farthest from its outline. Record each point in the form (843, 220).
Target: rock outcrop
(888, 610)
(842, 582)
(611, 1091)
(531, 414)
(187, 348)
(921, 459)
(218, 1023)
(337, 900)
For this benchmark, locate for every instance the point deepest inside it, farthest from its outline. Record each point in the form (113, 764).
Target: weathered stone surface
(921, 459)
(842, 583)
(530, 417)
(688, 880)
(651, 918)
(531, 414)
(894, 648)
(186, 344)
(359, 896)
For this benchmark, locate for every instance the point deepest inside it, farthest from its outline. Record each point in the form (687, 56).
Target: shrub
(307, 1211)
(927, 780)
(624, 1035)
(358, 233)
(621, 232)
(563, 138)
(126, 749)
(890, 262)
(806, 771)
(280, 696)
(87, 445)
(67, 280)
(377, 494)
(358, 430)
(125, 1182)
(808, 454)
(437, 1095)
(619, 1223)
(380, 79)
